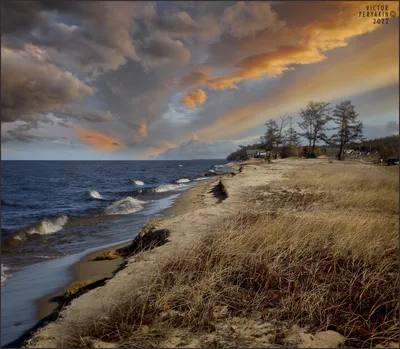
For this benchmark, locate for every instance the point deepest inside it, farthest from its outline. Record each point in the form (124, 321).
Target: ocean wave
(5, 275)
(167, 187)
(94, 195)
(182, 180)
(125, 206)
(200, 179)
(136, 182)
(44, 227)
(48, 226)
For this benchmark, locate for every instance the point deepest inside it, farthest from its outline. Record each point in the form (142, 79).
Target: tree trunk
(313, 146)
(340, 155)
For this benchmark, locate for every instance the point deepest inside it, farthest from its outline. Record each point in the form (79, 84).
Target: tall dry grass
(327, 259)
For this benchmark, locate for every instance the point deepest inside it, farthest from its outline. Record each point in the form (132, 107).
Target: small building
(255, 153)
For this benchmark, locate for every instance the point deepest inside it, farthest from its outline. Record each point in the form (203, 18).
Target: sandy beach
(195, 213)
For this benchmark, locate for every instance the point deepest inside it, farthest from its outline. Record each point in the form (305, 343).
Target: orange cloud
(99, 140)
(196, 97)
(142, 130)
(333, 27)
(159, 149)
(357, 71)
(272, 64)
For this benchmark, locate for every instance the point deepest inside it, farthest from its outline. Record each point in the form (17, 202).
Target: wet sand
(85, 269)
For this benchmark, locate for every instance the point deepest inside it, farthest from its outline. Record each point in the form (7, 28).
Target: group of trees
(314, 124)
(280, 135)
(386, 147)
(338, 127)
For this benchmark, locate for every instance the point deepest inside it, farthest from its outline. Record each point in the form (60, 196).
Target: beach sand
(85, 269)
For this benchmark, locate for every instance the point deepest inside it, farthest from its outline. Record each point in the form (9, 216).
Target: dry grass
(149, 226)
(327, 259)
(76, 287)
(107, 255)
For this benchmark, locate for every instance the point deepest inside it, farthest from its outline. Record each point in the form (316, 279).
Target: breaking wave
(200, 179)
(94, 195)
(48, 226)
(4, 274)
(182, 180)
(167, 187)
(137, 182)
(124, 206)
(43, 228)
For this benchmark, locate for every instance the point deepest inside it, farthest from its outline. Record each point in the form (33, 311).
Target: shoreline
(88, 269)
(50, 306)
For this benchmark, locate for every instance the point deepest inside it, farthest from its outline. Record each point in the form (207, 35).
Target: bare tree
(291, 136)
(281, 139)
(274, 137)
(269, 138)
(314, 116)
(348, 128)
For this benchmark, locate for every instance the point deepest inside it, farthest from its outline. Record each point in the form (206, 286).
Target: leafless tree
(314, 116)
(348, 127)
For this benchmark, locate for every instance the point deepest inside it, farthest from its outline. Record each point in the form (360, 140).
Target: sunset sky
(183, 80)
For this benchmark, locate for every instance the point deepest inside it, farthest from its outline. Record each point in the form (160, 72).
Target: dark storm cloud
(160, 49)
(25, 133)
(97, 38)
(18, 17)
(182, 25)
(84, 113)
(103, 40)
(30, 86)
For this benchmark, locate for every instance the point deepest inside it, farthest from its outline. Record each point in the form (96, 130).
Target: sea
(55, 212)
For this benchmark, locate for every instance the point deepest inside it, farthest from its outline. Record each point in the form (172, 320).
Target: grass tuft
(107, 255)
(76, 287)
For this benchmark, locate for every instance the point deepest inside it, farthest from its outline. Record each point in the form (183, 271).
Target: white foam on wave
(168, 187)
(47, 226)
(138, 182)
(182, 180)
(180, 165)
(200, 179)
(94, 195)
(125, 206)
(5, 275)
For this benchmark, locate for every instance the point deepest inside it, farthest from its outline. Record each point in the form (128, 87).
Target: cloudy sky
(175, 80)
